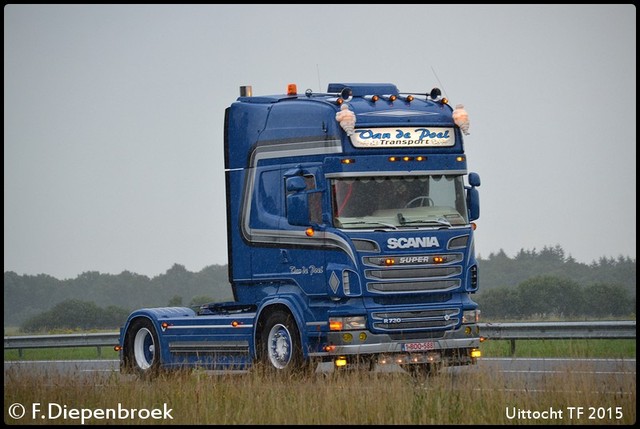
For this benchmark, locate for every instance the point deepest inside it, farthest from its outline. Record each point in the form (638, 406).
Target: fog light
(347, 338)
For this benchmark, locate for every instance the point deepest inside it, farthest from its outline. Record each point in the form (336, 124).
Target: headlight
(471, 316)
(349, 323)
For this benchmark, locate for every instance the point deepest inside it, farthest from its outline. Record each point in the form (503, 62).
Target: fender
(295, 304)
(154, 315)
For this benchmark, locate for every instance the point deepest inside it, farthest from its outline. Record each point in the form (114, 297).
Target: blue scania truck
(350, 224)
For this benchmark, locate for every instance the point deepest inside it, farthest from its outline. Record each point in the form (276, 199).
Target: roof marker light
(292, 89)
(372, 98)
(390, 97)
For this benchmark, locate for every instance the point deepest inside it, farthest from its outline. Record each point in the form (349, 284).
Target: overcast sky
(113, 119)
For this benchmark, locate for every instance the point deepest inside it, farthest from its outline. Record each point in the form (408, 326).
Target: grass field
(253, 398)
(352, 398)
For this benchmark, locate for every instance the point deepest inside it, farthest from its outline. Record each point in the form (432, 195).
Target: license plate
(418, 347)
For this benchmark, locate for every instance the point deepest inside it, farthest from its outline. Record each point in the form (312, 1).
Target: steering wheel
(424, 201)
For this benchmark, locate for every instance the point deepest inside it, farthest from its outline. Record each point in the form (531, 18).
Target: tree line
(547, 283)
(531, 284)
(27, 296)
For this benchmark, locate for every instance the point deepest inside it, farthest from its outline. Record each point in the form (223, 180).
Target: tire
(142, 348)
(280, 345)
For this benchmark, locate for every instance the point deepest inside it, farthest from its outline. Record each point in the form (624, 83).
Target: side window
(268, 197)
(267, 209)
(315, 200)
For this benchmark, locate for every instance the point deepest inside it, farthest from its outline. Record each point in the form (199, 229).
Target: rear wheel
(142, 349)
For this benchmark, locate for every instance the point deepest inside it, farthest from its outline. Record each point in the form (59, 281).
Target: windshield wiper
(439, 221)
(362, 222)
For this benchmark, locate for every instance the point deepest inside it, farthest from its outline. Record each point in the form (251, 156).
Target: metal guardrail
(493, 331)
(558, 330)
(105, 339)
(622, 329)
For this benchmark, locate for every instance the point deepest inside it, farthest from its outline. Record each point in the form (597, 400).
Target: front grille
(416, 319)
(416, 286)
(414, 273)
(421, 277)
(421, 324)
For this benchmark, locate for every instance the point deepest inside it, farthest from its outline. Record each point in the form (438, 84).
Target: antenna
(318, 70)
(439, 83)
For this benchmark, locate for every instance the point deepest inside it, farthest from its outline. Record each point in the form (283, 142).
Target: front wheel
(280, 344)
(142, 349)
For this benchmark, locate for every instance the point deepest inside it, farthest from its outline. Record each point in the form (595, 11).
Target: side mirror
(297, 201)
(298, 209)
(473, 197)
(296, 184)
(474, 179)
(473, 203)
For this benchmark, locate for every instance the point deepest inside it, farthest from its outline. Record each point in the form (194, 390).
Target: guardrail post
(513, 347)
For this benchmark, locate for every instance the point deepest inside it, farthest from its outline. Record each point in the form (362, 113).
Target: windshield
(398, 202)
